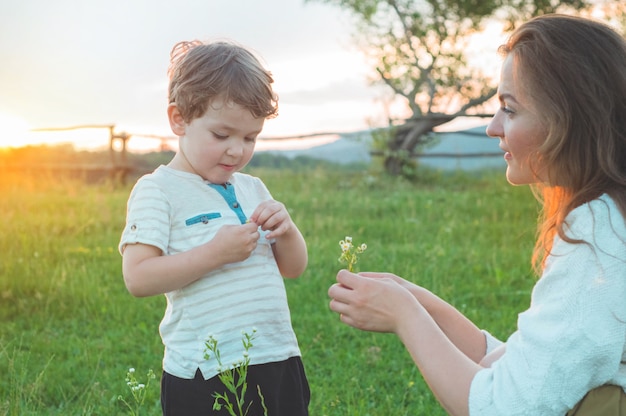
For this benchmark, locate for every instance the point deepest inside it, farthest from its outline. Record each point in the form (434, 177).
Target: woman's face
(517, 125)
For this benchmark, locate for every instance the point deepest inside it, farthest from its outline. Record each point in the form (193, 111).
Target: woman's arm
(383, 305)
(466, 336)
(493, 356)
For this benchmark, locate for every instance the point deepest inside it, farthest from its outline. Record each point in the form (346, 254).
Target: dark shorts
(283, 385)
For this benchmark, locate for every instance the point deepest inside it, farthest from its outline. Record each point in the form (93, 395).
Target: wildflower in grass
(350, 253)
(233, 377)
(137, 390)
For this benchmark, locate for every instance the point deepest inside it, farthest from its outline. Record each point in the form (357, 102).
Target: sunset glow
(323, 81)
(14, 131)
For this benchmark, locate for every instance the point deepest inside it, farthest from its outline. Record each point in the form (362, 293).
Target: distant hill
(348, 149)
(472, 147)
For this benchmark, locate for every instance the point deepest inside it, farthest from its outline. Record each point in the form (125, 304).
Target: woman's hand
(381, 302)
(369, 303)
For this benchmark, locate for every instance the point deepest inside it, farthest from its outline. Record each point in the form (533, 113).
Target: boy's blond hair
(201, 72)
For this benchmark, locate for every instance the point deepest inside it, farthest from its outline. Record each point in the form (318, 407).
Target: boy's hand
(273, 216)
(236, 242)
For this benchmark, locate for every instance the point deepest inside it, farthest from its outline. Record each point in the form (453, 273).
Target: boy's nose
(235, 150)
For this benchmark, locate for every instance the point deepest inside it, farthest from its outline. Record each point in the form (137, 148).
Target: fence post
(119, 165)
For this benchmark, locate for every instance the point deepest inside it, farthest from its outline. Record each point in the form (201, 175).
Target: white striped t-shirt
(176, 211)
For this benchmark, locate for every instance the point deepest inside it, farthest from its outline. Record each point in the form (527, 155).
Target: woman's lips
(507, 154)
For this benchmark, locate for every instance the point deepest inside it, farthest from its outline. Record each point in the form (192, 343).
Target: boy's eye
(250, 139)
(219, 136)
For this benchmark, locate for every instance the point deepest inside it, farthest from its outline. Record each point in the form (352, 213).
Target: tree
(418, 50)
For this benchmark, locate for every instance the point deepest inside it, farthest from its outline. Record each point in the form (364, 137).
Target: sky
(101, 62)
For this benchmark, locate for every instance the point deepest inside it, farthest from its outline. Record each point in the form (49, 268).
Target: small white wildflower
(349, 254)
(131, 370)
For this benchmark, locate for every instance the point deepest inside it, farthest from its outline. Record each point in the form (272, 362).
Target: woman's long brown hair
(574, 71)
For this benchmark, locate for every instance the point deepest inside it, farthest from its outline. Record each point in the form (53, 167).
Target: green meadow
(69, 330)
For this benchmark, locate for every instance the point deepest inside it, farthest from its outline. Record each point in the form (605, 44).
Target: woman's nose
(494, 128)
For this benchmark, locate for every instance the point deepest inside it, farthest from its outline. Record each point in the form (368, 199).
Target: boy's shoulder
(244, 178)
(248, 183)
(166, 180)
(165, 174)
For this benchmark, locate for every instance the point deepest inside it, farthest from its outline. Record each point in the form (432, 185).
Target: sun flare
(14, 131)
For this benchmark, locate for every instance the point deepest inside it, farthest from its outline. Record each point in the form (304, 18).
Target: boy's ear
(177, 123)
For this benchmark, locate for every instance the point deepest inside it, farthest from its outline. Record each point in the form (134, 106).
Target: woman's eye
(506, 110)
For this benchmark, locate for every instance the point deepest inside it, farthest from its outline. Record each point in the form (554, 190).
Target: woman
(562, 126)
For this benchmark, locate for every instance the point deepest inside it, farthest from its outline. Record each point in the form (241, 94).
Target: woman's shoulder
(600, 225)
(601, 215)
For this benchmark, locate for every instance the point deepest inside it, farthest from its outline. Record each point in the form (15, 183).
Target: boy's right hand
(235, 243)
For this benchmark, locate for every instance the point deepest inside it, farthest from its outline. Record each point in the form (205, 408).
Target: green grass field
(69, 330)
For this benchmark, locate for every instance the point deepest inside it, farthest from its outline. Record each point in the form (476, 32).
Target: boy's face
(219, 143)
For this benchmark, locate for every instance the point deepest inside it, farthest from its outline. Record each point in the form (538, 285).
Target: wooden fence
(118, 168)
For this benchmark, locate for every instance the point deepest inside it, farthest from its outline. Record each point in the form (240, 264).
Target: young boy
(215, 242)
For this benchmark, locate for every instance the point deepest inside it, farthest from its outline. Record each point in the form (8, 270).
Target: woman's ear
(177, 122)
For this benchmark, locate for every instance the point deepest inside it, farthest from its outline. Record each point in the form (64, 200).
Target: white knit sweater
(573, 337)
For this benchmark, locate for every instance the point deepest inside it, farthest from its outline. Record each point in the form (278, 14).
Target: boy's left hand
(273, 216)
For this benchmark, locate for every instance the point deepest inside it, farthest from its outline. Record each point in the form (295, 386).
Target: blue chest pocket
(202, 218)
